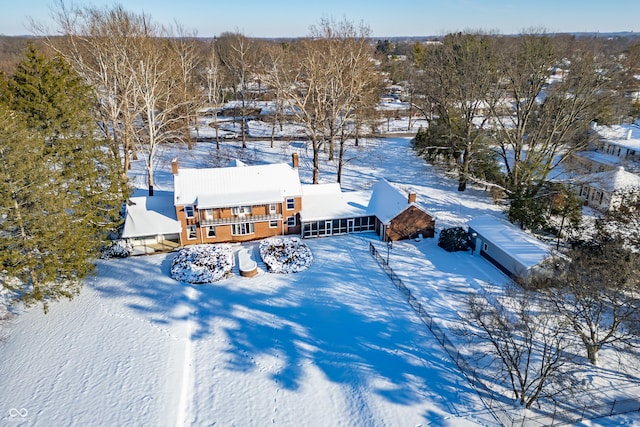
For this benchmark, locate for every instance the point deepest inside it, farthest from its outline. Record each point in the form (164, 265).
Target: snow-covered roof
(600, 157)
(624, 135)
(527, 250)
(328, 201)
(234, 186)
(613, 180)
(388, 201)
(150, 216)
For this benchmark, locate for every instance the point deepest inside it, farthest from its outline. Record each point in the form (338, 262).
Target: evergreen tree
(60, 190)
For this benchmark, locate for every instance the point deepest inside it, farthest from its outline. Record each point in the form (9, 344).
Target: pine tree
(59, 188)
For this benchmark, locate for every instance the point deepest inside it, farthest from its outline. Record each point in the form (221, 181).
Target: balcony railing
(239, 219)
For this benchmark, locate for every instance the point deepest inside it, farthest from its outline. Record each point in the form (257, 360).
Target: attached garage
(151, 224)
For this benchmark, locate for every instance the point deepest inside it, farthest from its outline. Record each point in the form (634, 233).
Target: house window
(273, 224)
(241, 210)
(208, 214)
(192, 232)
(291, 221)
(272, 208)
(188, 211)
(242, 229)
(211, 231)
(291, 204)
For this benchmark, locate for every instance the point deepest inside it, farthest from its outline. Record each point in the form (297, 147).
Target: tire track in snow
(188, 369)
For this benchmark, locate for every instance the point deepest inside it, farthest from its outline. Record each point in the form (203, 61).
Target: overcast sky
(288, 18)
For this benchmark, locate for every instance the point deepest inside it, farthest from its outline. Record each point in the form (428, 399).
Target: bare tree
(302, 81)
(459, 83)
(97, 43)
(549, 116)
(184, 47)
(597, 292)
(327, 78)
(270, 63)
(132, 65)
(215, 86)
(237, 54)
(528, 345)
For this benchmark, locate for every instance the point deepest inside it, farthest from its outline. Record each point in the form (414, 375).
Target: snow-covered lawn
(334, 345)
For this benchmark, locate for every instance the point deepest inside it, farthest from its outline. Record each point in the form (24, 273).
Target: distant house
(614, 146)
(513, 251)
(236, 204)
(608, 189)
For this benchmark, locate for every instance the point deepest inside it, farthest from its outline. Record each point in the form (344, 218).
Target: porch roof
(150, 216)
(328, 201)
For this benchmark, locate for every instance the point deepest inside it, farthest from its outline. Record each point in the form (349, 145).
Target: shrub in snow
(454, 239)
(285, 255)
(117, 249)
(202, 263)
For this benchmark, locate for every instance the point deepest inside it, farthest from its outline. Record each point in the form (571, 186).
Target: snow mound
(118, 249)
(285, 255)
(202, 263)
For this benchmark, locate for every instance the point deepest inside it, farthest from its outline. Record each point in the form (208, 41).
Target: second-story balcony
(239, 219)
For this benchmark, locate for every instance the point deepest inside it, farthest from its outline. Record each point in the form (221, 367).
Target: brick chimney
(174, 166)
(412, 198)
(295, 160)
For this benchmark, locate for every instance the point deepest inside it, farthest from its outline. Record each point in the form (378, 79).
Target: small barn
(507, 247)
(399, 216)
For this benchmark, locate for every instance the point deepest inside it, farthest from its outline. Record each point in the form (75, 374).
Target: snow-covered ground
(334, 345)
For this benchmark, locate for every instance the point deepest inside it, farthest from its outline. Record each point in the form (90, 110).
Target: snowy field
(334, 345)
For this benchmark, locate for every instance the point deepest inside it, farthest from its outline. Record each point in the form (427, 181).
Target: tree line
(507, 112)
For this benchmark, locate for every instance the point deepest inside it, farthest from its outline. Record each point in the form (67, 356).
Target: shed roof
(526, 249)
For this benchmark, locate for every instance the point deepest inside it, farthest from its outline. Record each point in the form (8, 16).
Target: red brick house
(236, 204)
(241, 203)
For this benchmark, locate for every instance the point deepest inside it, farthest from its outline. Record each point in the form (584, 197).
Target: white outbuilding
(513, 251)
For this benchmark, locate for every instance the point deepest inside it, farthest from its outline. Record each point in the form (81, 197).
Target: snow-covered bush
(285, 255)
(454, 239)
(117, 249)
(202, 263)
